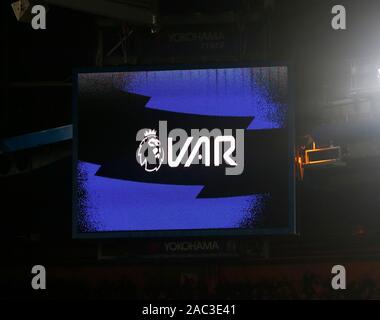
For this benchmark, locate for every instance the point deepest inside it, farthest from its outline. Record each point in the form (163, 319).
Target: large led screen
(202, 151)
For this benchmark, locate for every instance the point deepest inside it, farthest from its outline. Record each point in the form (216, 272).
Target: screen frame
(187, 233)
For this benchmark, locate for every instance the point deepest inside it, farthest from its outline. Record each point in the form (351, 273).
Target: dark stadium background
(337, 209)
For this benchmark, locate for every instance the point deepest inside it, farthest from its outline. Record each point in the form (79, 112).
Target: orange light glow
(307, 152)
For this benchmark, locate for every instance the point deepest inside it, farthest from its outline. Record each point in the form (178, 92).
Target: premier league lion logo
(150, 152)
